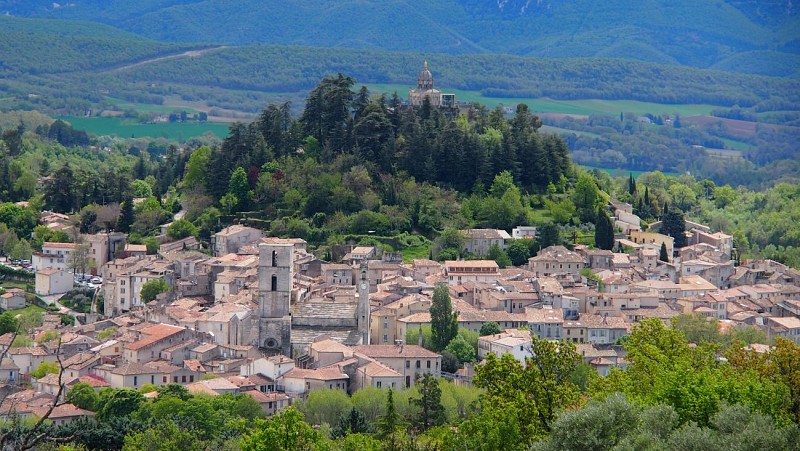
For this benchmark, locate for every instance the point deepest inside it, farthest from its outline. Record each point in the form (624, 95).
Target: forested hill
(748, 36)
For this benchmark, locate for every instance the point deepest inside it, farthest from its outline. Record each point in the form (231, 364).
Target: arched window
(274, 282)
(274, 258)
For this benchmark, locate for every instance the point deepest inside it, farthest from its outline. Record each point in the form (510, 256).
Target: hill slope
(688, 32)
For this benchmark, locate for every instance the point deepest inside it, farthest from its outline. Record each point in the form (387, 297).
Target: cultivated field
(128, 128)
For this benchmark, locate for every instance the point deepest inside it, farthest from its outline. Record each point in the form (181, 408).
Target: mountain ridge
(686, 32)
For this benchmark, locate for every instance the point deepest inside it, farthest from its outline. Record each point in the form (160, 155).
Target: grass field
(145, 107)
(412, 252)
(735, 145)
(128, 128)
(28, 308)
(559, 130)
(545, 105)
(624, 172)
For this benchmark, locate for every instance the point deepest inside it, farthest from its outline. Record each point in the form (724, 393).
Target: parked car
(96, 280)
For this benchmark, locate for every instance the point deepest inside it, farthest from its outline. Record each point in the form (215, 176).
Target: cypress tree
(631, 184)
(603, 231)
(444, 321)
(126, 216)
(663, 254)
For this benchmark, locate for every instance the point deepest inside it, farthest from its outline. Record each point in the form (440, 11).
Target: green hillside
(688, 32)
(37, 47)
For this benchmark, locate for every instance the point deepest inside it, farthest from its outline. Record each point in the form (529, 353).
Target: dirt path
(189, 54)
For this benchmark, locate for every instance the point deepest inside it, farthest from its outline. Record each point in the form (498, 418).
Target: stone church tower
(363, 314)
(275, 278)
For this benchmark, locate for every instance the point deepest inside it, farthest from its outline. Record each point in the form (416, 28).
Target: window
(274, 258)
(385, 324)
(378, 384)
(418, 364)
(135, 380)
(152, 379)
(408, 363)
(175, 379)
(191, 378)
(274, 282)
(385, 338)
(164, 380)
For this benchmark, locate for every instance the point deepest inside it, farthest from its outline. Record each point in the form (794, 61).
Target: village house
(54, 255)
(230, 239)
(460, 271)
(512, 341)
(12, 299)
(556, 260)
(411, 361)
(478, 241)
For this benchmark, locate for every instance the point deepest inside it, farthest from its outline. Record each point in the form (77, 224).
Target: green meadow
(130, 128)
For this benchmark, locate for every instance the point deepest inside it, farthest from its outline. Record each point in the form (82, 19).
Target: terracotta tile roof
(393, 351)
(194, 365)
(133, 369)
(153, 334)
(323, 374)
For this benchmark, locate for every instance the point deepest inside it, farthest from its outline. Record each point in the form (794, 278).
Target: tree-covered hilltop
(356, 167)
(744, 36)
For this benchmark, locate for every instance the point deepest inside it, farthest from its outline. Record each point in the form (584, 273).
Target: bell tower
(275, 279)
(363, 311)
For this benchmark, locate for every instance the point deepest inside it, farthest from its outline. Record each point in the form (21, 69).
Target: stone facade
(275, 276)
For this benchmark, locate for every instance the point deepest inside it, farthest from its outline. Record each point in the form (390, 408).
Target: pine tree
(663, 254)
(431, 411)
(389, 424)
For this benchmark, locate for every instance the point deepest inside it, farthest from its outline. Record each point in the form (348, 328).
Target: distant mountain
(750, 36)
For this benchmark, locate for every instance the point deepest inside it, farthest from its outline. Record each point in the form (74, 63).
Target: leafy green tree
(535, 392)
(140, 188)
(83, 396)
(697, 328)
(163, 436)
(371, 401)
(285, 431)
(115, 403)
(489, 328)
(519, 252)
(22, 250)
(326, 406)
(153, 288)
(459, 347)
(44, 369)
(724, 196)
(152, 245)
(173, 390)
(429, 403)
(239, 187)
(444, 321)
(197, 169)
(450, 363)
(549, 235)
(181, 228)
(586, 197)
(8, 322)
